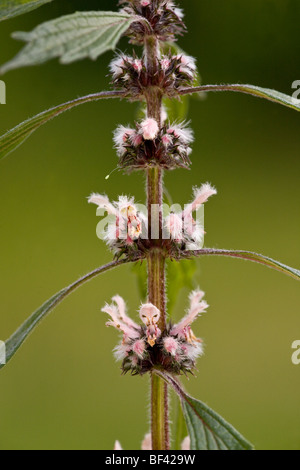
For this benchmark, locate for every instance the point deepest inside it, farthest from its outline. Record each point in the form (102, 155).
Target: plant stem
(159, 414)
(157, 283)
(159, 389)
(156, 258)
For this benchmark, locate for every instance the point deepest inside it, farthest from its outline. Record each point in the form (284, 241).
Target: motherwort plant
(157, 71)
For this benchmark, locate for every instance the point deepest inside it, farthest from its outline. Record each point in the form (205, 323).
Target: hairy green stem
(156, 258)
(159, 414)
(159, 389)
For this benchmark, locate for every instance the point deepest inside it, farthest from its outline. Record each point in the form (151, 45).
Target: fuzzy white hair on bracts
(121, 134)
(194, 349)
(182, 132)
(121, 351)
(188, 65)
(178, 11)
(116, 66)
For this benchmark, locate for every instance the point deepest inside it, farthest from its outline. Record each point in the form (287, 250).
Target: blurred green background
(63, 389)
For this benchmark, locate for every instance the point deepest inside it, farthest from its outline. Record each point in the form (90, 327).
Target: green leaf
(11, 8)
(72, 37)
(266, 93)
(15, 137)
(249, 256)
(18, 338)
(180, 429)
(207, 429)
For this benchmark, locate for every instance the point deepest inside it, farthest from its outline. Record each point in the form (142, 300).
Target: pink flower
(139, 348)
(120, 320)
(128, 224)
(145, 3)
(188, 61)
(167, 140)
(174, 227)
(171, 345)
(188, 66)
(150, 315)
(182, 226)
(147, 442)
(117, 446)
(149, 129)
(103, 202)
(186, 443)
(122, 311)
(137, 65)
(136, 139)
(201, 195)
(145, 347)
(183, 328)
(165, 64)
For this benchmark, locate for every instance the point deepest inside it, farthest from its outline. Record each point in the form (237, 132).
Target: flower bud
(171, 345)
(139, 348)
(149, 129)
